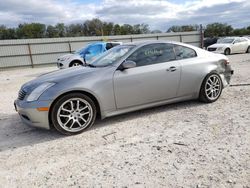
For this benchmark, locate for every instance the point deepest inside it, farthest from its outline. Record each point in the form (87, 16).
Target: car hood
(69, 56)
(218, 45)
(58, 76)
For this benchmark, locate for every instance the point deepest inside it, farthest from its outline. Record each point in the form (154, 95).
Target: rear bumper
(31, 116)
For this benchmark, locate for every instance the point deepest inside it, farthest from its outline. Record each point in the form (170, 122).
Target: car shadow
(14, 134)
(144, 113)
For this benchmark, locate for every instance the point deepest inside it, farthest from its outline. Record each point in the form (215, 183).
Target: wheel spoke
(72, 105)
(66, 110)
(67, 122)
(78, 123)
(209, 93)
(216, 82)
(85, 113)
(210, 82)
(72, 124)
(83, 119)
(62, 115)
(214, 94)
(78, 105)
(83, 108)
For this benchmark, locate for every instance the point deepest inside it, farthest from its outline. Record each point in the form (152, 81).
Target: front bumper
(61, 64)
(217, 51)
(30, 115)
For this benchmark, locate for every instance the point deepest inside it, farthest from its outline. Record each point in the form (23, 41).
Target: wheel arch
(90, 95)
(209, 71)
(75, 60)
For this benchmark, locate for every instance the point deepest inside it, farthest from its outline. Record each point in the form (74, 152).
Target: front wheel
(211, 88)
(73, 113)
(75, 63)
(227, 51)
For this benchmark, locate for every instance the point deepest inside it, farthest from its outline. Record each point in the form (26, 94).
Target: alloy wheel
(74, 114)
(213, 87)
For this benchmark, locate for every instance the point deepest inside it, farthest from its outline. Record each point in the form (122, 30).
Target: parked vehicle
(231, 45)
(84, 55)
(209, 41)
(126, 78)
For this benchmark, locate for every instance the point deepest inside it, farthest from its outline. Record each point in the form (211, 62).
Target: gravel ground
(188, 144)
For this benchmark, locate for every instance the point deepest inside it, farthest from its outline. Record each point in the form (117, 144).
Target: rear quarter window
(183, 52)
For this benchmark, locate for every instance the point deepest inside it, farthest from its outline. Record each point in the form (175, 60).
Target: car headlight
(37, 92)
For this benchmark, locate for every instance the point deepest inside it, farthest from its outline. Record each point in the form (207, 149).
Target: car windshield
(81, 50)
(225, 40)
(111, 56)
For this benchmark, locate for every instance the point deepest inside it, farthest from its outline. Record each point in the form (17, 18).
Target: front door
(155, 78)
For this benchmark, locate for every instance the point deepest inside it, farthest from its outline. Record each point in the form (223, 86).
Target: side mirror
(128, 64)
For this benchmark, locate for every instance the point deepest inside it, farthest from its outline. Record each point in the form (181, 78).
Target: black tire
(75, 63)
(75, 119)
(248, 49)
(227, 51)
(205, 87)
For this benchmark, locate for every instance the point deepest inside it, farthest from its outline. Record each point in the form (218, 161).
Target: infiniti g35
(126, 78)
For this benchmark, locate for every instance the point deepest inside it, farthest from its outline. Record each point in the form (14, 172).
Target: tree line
(96, 27)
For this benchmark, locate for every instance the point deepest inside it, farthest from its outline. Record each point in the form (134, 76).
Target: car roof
(142, 43)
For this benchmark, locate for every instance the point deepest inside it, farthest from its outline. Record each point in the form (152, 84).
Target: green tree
(7, 33)
(141, 29)
(127, 29)
(52, 32)
(117, 29)
(218, 30)
(75, 30)
(108, 28)
(61, 29)
(183, 28)
(33, 30)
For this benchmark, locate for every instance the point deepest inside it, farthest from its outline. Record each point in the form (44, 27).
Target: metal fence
(32, 52)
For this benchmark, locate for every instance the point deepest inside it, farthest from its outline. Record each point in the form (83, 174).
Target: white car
(85, 55)
(231, 45)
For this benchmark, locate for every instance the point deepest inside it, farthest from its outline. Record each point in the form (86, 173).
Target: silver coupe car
(126, 78)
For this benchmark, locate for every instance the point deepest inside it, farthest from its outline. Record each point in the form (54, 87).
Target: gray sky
(159, 14)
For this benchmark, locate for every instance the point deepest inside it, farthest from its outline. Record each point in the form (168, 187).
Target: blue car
(84, 55)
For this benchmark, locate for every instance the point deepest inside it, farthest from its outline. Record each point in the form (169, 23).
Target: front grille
(211, 49)
(21, 94)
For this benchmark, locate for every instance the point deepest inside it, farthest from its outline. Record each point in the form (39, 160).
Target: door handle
(171, 69)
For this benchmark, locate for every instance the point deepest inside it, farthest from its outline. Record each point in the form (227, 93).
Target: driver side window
(153, 54)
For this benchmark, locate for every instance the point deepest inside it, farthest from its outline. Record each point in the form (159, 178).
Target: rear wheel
(211, 88)
(248, 49)
(73, 113)
(227, 51)
(75, 63)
